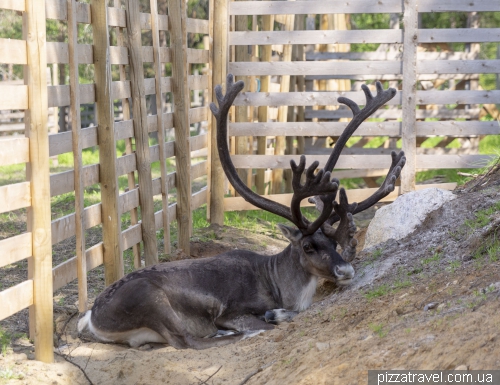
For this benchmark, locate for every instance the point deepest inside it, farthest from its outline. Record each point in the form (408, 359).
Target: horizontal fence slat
(330, 98)
(14, 5)
(64, 227)
(59, 95)
(13, 97)
(132, 236)
(15, 196)
(197, 82)
(16, 298)
(62, 142)
(197, 26)
(388, 55)
(64, 182)
(458, 6)
(198, 114)
(66, 272)
(15, 249)
(199, 198)
(459, 66)
(440, 113)
(355, 195)
(311, 7)
(362, 161)
(13, 51)
(392, 129)
(57, 10)
(459, 35)
(387, 36)
(198, 56)
(14, 151)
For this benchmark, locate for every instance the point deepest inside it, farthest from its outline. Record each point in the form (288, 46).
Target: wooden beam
(37, 172)
(178, 45)
(111, 228)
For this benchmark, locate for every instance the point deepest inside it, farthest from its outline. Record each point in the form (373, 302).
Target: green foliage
(432, 260)
(378, 329)
(376, 292)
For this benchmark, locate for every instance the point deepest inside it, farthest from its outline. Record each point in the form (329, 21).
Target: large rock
(402, 217)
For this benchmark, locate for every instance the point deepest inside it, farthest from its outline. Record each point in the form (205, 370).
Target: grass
(9, 374)
(378, 329)
(375, 255)
(432, 260)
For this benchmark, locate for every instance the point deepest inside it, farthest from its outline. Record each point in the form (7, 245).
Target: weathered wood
(37, 172)
(161, 130)
(14, 5)
(263, 111)
(13, 97)
(14, 151)
(178, 45)
(388, 36)
(15, 248)
(220, 48)
(65, 272)
(457, 6)
(64, 227)
(364, 161)
(17, 298)
(13, 51)
(141, 135)
(311, 7)
(355, 195)
(441, 113)
(77, 157)
(113, 262)
(392, 129)
(459, 35)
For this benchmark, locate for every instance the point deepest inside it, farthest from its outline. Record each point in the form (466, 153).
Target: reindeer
(240, 293)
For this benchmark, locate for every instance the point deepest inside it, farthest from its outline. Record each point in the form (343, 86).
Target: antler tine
(344, 233)
(225, 102)
(397, 164)
(319, 185)
(372, 104)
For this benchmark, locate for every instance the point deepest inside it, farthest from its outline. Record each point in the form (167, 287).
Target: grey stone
(404, 215)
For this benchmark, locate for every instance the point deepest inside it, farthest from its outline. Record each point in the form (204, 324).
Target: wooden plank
(14, 151)
(197, 26)
(457, 97)
(77, 156)
(362, 161)
(313, 7)
(15, 196)
(113, 261)
(355, 195)
(198, 142)
(62, 142)
(64, 227)
(220, 47)
(459, 66)
(441, 113)
(66, 272)
(13, 51)
(315, 68)
(199, 198)
(387, 56)
(132, 236)
(13, 97)
(140, 113)
(197, 82)
(58, 10)
(14, 5)
(15, 249)
(198, 56)
(63, 182)
(410, 21)
(178, 44)
(198, 114)
(458, 6)
(16, 298)
(39, 216)
(387, 36)
(155, 31)
(392, 129)
(459, 35)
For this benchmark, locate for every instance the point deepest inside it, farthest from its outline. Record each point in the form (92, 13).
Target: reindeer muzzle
(344, 274)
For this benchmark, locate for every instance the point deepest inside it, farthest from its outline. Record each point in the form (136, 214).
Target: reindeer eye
(308, 248)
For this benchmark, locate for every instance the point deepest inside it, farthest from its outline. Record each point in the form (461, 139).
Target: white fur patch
(305, 298)
(134, 338)
(252, 333)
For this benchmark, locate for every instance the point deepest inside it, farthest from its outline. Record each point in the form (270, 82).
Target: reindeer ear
(291, 233)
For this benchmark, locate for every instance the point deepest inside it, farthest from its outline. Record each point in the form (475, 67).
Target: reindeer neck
(292, 286)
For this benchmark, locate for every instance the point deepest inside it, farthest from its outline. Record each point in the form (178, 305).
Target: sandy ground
(429, 301)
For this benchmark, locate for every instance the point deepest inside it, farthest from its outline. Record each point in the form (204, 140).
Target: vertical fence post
(159, 120)
(37, 172)
(111, 227)
(140, 120)
(77, 155)
(220, 52)
(263, 111)
(177, 18)
(409, 102)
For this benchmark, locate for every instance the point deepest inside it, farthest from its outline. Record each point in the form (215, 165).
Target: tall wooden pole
(220, 51)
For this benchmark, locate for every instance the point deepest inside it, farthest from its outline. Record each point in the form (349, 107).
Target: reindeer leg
(277, 316)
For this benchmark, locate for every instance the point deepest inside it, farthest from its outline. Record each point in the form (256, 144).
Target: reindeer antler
(319, 184)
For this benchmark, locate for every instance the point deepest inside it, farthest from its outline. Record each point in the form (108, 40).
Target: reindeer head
(315, 242)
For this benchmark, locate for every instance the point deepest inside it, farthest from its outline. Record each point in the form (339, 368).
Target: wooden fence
(295, 50)
(263, 137)
(127, 57)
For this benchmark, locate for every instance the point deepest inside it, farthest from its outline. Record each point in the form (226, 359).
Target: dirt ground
(429, 301)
